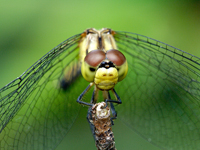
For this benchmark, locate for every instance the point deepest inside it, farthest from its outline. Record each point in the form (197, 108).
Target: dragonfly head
(104, 69)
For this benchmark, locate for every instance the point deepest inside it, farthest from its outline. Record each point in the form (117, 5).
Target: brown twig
(104, 136)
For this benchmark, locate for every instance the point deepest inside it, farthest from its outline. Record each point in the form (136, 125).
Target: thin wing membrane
(35, 112)
(161, 97)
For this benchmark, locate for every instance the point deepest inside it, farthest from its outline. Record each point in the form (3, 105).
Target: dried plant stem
(99, 118)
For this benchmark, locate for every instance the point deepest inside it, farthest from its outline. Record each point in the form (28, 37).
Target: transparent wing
(34, 112)
(161, 93)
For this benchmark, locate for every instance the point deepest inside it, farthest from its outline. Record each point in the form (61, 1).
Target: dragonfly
(160, 95)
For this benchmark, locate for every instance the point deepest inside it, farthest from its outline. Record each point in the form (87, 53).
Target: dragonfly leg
(79, 100)
(89, 114)
(89, 119)
(114, 113)
(112, 108)
(118, 100)
(94, 96)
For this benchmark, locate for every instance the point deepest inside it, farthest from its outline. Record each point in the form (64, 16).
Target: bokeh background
(29, 29)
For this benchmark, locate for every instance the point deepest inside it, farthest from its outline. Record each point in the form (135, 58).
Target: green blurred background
(29, 29)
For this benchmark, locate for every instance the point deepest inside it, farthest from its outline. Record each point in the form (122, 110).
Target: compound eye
(116, 57)
(95, 57)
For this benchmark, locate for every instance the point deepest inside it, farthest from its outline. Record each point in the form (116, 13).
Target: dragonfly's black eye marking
(92, 69)
(116, 57)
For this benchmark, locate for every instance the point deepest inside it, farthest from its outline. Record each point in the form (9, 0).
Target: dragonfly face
(103, 65)
(104, 69)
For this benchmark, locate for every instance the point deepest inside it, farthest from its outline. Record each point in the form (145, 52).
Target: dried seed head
(101, 112)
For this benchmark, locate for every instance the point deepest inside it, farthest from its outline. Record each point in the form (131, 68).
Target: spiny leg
(89, 114)
(89, 119)
(118, 100)
(114, 113)
(94, 95)
(106, 95)
(92, 102)
(79, 100)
